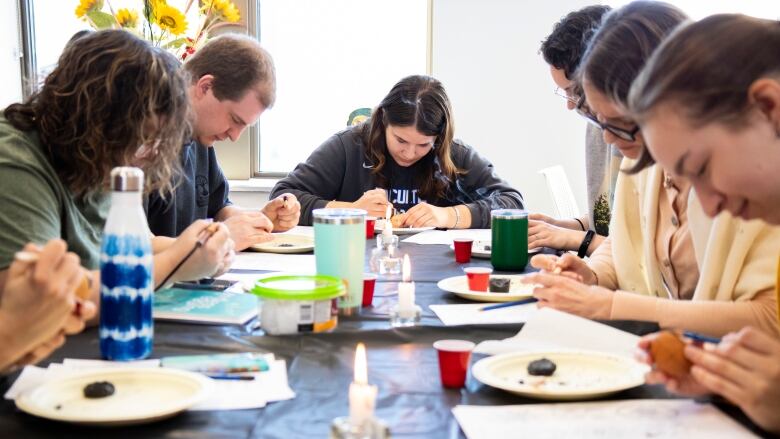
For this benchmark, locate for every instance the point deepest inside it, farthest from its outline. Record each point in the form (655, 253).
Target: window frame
(253, 26)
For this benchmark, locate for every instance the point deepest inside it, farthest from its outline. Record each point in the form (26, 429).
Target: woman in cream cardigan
(721, 265)
(720, 127)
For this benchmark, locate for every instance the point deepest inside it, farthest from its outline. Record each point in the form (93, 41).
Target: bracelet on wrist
(583, 251)
(457, 217)
(582, 225)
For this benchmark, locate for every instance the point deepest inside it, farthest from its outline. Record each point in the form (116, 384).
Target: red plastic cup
(370, 223)
(454, 356)
(369, 282)
(478, 277)
(463, 250)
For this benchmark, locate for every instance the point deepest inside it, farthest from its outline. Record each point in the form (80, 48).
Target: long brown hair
(418, 101)
(109, 94)
(706, 68)
(621, 47)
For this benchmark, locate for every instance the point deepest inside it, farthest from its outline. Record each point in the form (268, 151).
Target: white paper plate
(481, 249)
(579, 374)
(380, 225)
(141, 395)
(286, 243)
(459, 285)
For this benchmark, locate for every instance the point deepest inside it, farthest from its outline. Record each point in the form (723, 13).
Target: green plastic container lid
(299, 287)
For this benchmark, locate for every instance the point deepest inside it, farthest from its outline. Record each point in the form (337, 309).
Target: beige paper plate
(141, 395)
(459, 285)
(579, 374)
(481, 249)
(287, 243)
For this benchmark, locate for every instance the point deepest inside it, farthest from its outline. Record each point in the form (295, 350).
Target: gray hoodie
(338, 170)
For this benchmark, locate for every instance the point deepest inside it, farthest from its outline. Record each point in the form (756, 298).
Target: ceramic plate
(287, 243)
(481, 249)
(141, 395)
(459, 286)
(380, 225)
(578, 375)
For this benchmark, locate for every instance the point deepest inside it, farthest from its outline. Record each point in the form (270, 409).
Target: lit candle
(362, 396)
(406, 290)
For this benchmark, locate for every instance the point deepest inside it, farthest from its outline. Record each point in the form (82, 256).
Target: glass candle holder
(373, 428)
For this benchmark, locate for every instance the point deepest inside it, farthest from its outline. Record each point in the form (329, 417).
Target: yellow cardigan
(736, 258)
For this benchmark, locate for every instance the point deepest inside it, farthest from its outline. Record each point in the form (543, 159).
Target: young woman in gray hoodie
(404, 156)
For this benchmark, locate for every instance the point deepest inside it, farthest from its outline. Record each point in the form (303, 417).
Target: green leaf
(102, 20)
(175, 44)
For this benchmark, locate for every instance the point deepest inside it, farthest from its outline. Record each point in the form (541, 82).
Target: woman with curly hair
(113, 100)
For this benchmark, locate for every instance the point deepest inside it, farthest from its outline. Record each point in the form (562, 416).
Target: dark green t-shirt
(35, 206)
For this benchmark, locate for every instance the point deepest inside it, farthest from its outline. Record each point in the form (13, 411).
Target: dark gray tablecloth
(402, 364)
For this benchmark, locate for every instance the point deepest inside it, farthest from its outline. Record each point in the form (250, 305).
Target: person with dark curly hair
(112, 100)
(562, 50)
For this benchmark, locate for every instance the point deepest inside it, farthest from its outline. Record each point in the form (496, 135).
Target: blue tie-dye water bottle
(127, 286)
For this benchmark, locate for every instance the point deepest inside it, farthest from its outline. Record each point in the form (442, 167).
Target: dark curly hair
(564, 47)
(113, 100)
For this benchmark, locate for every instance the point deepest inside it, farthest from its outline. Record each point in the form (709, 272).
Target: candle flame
(407, 269)
(387, 213)
(361, 367)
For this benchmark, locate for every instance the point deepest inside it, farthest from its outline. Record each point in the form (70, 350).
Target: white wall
(486, 54)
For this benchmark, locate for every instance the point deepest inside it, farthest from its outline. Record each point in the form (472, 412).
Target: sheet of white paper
(596, 420)
(551, 329)
(445, 237)
(301, 264)
(267, 386)
(470, 314)
(246, 281)
(30, 378)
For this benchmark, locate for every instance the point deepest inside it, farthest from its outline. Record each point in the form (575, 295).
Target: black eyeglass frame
(622, 133)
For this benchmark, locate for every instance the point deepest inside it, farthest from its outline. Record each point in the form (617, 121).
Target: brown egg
(667, 351)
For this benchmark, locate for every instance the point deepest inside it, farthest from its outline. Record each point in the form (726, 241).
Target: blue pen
(508, 304)
(232, 377)
(700, 338)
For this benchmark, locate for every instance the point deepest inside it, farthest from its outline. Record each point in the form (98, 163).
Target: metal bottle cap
(127, 179)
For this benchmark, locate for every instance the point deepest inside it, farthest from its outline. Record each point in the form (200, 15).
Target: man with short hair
(562, 51)
(232, 83)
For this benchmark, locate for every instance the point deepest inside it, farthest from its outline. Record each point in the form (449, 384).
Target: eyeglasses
(622, 133)
(564, 93)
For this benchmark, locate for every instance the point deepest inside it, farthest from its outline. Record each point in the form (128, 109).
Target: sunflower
(224, 8)
(127, 18)
(86, 6)
(170, 19)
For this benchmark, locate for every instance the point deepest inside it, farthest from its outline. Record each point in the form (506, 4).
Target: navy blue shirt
(201, 190)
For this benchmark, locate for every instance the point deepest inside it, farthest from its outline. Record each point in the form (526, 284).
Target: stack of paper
(267, 386)
(445, 237)
(646, 418)
(470, 314)
(551, 329)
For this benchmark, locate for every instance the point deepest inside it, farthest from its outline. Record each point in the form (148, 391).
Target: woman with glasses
(403, 157)
(562, 50)
(664, 260)
(720, 128)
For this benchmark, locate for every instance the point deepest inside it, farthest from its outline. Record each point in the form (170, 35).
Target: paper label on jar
(322, 311)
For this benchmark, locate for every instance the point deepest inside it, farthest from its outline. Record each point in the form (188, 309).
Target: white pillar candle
(406, 290)
(362, 396)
